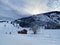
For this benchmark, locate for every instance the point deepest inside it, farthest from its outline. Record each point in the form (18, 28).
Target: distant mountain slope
(50, 20)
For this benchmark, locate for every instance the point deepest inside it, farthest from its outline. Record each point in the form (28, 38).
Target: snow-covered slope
(8, 27)
(48, 20)
(44, 37)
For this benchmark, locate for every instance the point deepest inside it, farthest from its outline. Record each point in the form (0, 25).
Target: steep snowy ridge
(49, 20)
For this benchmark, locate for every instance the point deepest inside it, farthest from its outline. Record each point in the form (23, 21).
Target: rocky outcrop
(24, 31)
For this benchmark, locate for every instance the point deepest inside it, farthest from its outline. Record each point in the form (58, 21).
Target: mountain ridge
(50, 20)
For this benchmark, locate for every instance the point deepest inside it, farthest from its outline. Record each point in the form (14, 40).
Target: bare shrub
(34, 27)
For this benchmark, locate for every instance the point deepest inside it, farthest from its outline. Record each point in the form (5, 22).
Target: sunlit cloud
(33, 6)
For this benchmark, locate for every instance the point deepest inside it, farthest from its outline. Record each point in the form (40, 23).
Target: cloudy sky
(33, 6)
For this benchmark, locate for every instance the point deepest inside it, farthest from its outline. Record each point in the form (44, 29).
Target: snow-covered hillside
(8, 27)
(50, 20)
(44, 36)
